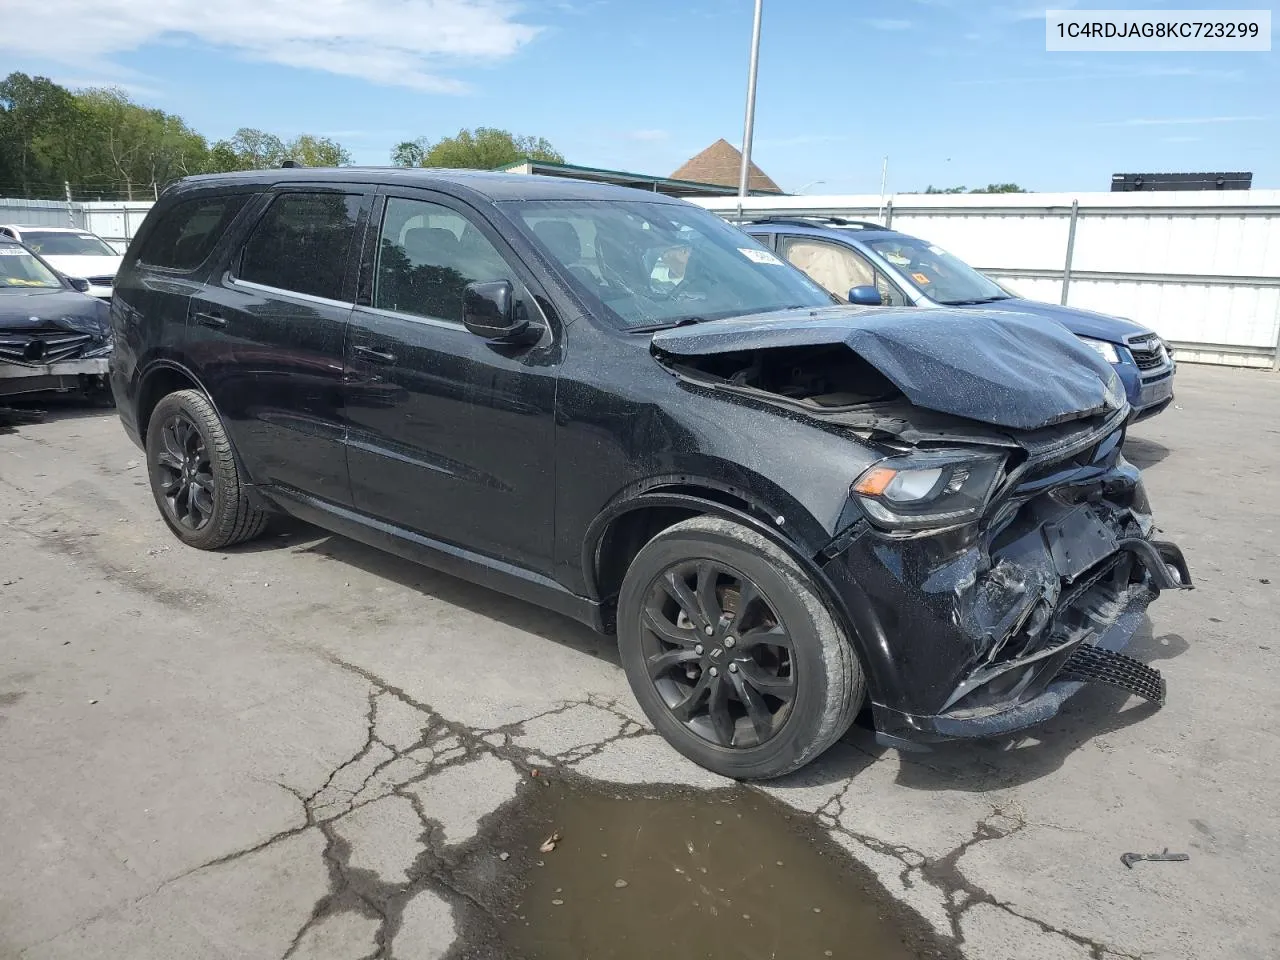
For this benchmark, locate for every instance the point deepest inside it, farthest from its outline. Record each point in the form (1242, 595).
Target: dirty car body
(569, 392)
(53, 338)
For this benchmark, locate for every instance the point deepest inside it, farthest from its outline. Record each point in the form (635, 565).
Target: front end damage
(987, 628)
(998, 552)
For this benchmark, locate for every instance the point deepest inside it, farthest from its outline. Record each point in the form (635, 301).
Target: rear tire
(194, 476)
(749, 691)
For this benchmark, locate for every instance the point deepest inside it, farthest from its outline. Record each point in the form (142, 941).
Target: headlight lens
(1107, 351)
(927, 490)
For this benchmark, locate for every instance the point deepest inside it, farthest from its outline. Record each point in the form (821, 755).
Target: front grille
(102, 281)
(42, 347)
(1148, 353)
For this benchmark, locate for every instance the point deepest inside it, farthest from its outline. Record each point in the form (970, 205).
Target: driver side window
(833, 266)
(427, 254)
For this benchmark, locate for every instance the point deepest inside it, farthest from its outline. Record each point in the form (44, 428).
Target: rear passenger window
(302, 244)
(427, 253)
(188, 231)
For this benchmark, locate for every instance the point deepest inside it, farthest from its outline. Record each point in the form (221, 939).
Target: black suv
(617, 405)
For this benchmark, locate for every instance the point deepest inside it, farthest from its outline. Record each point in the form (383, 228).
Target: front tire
(194, 476)
(732, 653)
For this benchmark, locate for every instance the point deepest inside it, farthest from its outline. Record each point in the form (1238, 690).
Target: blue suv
(870, 265)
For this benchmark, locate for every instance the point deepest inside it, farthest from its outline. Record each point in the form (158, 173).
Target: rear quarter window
(187, 232)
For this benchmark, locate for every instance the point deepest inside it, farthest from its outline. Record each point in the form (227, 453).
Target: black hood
(48, 309)
(1002, 369)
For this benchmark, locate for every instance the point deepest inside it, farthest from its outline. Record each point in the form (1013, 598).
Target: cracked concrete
(201, 765)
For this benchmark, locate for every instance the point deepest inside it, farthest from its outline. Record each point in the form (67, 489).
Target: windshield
(936, 273)
(19, 269)
(57, 244)
(657, 264)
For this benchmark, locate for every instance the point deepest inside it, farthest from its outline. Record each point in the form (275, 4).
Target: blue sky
(953, 91)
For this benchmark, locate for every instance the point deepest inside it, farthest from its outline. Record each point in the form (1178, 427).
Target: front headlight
(1107, 351)
(928, 489)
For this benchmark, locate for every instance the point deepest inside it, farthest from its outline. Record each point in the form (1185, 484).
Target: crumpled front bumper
(16, 378)
(966, 633)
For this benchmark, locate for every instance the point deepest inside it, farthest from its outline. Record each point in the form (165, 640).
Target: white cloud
(880, 24)
(403, 43)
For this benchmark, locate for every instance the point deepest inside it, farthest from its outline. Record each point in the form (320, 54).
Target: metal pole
(749, 129)
(71, 215)
(1071, 250)
(884, 180)
(888, 214)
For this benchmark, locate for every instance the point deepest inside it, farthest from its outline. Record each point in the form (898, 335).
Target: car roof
(848, 230)
(31, 227)
(497, 187)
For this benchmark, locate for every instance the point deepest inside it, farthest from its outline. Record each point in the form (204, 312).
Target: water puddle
(687, 876)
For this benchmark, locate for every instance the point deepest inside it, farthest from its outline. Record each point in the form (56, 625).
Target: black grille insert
(42, 347)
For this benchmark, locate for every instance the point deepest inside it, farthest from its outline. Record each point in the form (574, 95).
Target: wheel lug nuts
(729, 642)
(715, 672)
(733, 668)
(698, 649)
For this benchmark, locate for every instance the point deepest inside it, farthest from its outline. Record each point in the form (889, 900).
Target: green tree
(312, 151)
(137, 149)
(410, 153)
(484, 148)
(35, 156)
(248, 149)
(999, 188)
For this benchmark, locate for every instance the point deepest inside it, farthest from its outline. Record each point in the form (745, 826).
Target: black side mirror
(79, 283)
(865, 296)
(489, 310)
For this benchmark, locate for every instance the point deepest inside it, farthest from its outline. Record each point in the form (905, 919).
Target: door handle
(372, 355)
(215, 320)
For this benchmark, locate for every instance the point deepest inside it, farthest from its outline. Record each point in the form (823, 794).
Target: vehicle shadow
(1143, 453)
(980, 766)
(289, 533)
(21, 412)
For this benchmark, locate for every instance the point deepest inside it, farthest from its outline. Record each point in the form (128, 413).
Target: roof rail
(807, 221)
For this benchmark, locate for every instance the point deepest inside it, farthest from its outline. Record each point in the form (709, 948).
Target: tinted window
(188, 231)
(427, 253)
(302, 243)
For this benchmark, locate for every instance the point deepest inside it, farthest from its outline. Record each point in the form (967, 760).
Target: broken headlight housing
(927, 490)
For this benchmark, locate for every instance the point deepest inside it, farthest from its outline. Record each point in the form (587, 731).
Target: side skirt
(445, 557)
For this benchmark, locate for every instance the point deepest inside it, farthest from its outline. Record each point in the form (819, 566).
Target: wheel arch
(161, 378)
(633, 519)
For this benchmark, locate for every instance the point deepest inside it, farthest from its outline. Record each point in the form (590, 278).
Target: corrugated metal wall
(1202, 269)
(115, 222)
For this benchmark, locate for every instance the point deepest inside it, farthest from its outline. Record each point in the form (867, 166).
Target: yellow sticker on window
(920, 278)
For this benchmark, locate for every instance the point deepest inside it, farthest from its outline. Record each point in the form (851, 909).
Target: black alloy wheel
(732, 651)
(718, 654)
(186, 474)
(195, 478)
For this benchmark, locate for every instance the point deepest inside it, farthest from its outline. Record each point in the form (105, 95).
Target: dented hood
(1005, 369)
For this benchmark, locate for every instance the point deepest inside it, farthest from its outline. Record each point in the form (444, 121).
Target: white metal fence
(116, 222)
(1201, 269)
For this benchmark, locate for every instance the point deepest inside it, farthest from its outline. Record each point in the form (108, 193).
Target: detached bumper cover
(971, 633)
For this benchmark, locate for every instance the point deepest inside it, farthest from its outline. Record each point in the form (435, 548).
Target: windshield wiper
(669, 325)
(972, 303)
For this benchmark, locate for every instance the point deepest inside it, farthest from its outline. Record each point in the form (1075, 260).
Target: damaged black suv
(618, 406)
